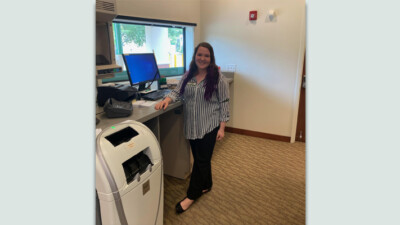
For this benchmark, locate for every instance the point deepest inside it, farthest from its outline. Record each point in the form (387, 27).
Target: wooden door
(301, 116)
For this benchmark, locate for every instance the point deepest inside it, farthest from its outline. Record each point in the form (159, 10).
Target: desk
(167, 126)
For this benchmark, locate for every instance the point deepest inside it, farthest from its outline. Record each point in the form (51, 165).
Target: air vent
(106, 10)
(104, 5)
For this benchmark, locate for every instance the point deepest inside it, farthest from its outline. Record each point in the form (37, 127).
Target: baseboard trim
(257, 134)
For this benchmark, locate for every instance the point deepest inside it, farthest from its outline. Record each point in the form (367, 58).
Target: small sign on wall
(253, 15)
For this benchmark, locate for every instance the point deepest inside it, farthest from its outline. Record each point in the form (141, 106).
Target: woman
(205, 95)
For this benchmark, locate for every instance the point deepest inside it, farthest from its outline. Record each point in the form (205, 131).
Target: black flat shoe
(179, 208)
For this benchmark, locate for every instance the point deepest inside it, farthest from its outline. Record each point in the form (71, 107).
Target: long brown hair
(211, 80)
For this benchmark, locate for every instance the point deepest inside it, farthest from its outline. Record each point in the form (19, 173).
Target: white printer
(129, 175)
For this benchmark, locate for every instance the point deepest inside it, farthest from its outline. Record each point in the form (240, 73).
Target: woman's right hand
(163, 104)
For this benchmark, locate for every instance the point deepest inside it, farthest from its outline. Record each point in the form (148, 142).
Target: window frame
(164, 72)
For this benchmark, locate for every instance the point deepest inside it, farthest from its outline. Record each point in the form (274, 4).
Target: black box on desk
(119, 92)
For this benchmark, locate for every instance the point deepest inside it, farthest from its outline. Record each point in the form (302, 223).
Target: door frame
(299, 77)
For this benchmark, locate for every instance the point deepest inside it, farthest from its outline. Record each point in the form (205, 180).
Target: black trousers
(201, 178)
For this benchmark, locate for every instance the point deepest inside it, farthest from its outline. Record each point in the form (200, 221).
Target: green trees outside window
(167, 43)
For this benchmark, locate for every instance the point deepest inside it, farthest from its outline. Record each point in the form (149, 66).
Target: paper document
(148, 103)
(143, 103)
(138, 103)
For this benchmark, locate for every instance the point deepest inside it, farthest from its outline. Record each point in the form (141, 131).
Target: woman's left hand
(220, 134)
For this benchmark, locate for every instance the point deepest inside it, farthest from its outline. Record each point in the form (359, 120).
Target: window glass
(167, 43)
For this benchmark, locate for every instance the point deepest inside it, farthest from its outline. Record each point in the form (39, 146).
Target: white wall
(268, 57)
(174, 10)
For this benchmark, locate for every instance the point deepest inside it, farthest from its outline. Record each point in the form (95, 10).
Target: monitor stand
(142, 87)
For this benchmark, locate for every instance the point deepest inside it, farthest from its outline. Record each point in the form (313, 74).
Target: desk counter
(140, 114)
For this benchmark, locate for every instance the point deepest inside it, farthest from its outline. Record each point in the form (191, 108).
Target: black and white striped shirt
(202, 116)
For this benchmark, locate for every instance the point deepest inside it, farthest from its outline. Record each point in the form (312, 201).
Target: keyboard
(154, 96)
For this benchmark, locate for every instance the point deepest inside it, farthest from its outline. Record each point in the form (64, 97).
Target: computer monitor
(141, 68)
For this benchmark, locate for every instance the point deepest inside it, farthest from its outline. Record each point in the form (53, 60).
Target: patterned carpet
(256, 181)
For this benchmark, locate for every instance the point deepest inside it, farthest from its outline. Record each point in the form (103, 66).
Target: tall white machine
(129, 175)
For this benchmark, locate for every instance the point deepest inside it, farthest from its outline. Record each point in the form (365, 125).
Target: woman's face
(202, 58)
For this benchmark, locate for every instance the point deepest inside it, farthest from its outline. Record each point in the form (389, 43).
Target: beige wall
(174, 10)
(268, 58)
(268, 55)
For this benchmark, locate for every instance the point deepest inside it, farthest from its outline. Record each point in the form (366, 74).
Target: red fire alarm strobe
(253, 15)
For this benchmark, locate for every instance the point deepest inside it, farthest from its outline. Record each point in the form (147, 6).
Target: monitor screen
(141, 68)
